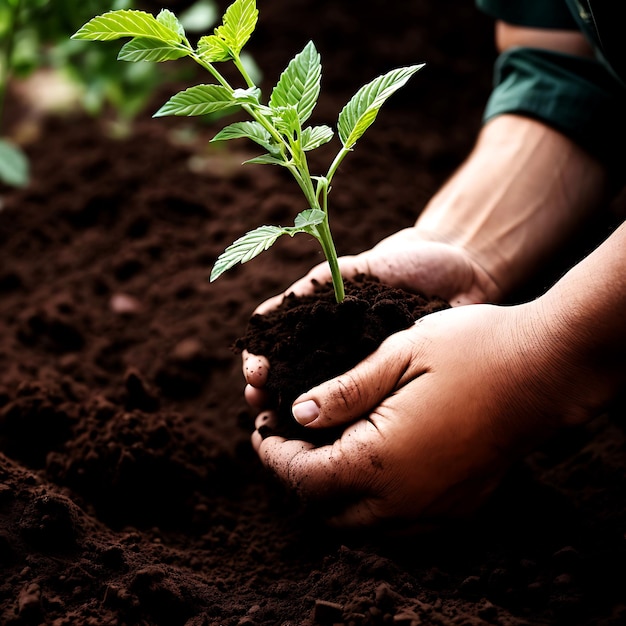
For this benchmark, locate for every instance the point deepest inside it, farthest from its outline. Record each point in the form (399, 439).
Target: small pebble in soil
(327, 612)
(29, 604)
(124, 304)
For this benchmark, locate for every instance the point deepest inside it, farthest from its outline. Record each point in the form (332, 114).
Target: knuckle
(347, 392)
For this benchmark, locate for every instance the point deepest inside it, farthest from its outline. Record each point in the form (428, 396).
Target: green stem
(259, 117)
(242, 70)
(341, 155)
(328, 246)
(330, 253)
(210, 68)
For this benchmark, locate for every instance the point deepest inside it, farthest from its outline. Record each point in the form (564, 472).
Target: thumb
(351, 395)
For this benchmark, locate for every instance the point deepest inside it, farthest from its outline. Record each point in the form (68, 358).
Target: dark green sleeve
(537, 13)
(577, 96)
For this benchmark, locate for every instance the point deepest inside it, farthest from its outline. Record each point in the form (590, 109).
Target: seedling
(278, 126)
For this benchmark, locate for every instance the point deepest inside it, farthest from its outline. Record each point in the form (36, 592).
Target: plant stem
(210, 68)
(336, 162)
(242, 70)
(330, 252)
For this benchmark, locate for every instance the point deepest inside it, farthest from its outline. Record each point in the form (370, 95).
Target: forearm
(585, 313)
(522, 193)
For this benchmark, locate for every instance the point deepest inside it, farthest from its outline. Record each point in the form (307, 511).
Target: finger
(349, 267)
(326, 473)
(338, 487)
(256, 398)
(356, 393)
(264, 423)
(255, 369)
(320, 274)
(269, 304)
(301, 287)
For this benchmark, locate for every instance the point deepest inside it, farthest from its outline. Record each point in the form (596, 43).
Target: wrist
(581, 324)
(478, 286)
(523, 193)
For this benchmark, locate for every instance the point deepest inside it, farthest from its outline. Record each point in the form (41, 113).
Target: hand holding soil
(406, 260)
(440, 411)
(437, 414)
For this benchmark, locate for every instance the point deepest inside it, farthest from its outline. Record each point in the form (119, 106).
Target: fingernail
(305, 412)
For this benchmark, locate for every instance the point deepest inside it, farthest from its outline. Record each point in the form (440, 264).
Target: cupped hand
(407, 260)
(411, 261)
(434, 418)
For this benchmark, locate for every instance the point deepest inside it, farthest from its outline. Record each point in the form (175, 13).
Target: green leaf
(359, 114)
(309, 218)
(247, 130)
(246, 248)
(238, 24)
(315, 136)
(198, 100)
(266, 159)
(250, 95)
(126, 23)
(169, 20)
(213, 49)
(287, 121)
(13, 165)
(299, 84)
(142, 49)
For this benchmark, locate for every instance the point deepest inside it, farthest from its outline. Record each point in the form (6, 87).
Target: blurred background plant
(41, 65)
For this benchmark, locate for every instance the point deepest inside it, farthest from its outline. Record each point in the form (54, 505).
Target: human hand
(434, 418)
(411, 261)
(405, 260)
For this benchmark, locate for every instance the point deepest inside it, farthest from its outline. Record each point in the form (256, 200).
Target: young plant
(279, 126)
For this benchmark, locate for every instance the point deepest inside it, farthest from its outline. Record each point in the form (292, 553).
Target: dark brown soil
(310, 339)
(129, 494)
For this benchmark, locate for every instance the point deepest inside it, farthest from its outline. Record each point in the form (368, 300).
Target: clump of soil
(310, 339)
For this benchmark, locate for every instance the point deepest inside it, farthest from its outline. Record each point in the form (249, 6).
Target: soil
(310, 339)
(129, 493)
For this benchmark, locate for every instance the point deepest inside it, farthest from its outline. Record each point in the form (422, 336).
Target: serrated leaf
(198, 100)
(250, 95)
(299, 84)
(265, 159)
(315, 136)
(169, 20)
(126, 23)
(14, 168)
(309, 218)
(247, 130)
(246, 248)
(143, 49)
(287, 121)
(359, 114)
(238, 24)
(213, 49)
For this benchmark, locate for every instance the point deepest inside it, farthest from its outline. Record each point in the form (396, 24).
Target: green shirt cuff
(577, 96)
(537, 13)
